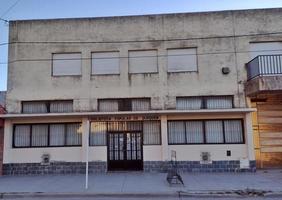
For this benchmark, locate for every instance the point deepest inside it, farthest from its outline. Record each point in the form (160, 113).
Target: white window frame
(58, 74)
(115, 58)
(154, 69)
(173, 53)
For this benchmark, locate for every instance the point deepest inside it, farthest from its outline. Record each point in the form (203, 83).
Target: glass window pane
(74, 134)
(151, 132)
(219, 102)
(214, 131)
(34, 107)
(108, 105)
(143, 61)
(181, 60)
(194, 132)
(39, 135)
(188, 103)
(98, 133)
(105, 63)
(61, 106)
(233, 131)
(66, 64)
(176, 132)
(140, 104)
(22, 136)
(57, 135)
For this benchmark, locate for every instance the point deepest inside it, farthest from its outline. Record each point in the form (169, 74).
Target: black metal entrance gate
(125, 149)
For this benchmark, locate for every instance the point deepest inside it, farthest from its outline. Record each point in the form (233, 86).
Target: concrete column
(165, 149)
(249, 136)
(85, 138)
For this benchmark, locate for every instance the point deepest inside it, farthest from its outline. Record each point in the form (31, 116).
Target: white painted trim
(80, 114)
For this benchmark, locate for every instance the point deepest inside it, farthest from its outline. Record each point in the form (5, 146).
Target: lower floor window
(47, 135)
(206, 132)
(151, 131)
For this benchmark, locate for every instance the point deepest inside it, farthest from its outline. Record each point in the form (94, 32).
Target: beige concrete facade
(222, 39)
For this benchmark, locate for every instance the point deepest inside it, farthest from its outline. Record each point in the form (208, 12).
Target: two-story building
(125, 93)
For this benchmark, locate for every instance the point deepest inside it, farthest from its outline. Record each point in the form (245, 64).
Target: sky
(45, 9)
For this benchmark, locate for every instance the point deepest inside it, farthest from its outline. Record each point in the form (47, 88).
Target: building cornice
(120, 113)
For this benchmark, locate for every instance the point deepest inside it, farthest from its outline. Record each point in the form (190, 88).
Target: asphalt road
(149, 198)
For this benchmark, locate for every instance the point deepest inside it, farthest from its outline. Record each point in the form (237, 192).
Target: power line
(137, 41)
(123, 57)
(9, 9)
(4, 20)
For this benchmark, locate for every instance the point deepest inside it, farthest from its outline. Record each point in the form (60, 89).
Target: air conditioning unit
(205, 158)
(45, 159)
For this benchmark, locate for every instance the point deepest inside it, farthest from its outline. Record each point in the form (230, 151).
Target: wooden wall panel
(267, 129)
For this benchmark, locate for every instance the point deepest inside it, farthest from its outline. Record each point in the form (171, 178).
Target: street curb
(66, 195)
(126, 195)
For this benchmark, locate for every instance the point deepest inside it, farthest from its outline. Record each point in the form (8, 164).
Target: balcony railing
(264, 65)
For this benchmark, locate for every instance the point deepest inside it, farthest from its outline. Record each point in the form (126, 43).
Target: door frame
(140, 164)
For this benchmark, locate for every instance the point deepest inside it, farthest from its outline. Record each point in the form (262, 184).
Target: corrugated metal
(265, 48)
(143, 61)
(66, 64)
(61, 106)
(140, 104)
(271, 64)
(34, 107)
(105, 63)
(108, 105)
(179, 60)
(219, 102)
(188, 103)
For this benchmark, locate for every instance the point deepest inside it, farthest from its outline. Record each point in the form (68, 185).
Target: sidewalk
(139, 183)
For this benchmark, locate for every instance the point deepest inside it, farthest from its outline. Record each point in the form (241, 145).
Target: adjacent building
(130, 93)
(2, 111)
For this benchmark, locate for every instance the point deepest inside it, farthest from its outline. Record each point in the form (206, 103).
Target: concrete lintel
(151, 112)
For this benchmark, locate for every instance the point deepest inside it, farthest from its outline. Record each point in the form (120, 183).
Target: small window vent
(45, 159)
(205, 158)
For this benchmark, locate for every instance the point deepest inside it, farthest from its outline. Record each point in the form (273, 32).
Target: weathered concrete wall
(210, 32)
(264, 84)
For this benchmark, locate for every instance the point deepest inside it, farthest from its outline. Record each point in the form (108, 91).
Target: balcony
(264, 75)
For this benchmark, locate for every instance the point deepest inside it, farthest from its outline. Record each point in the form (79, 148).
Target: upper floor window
(265, 48)
(182, 60)
(112, 105)
(105, 63)
(47, 106)
(204, 102)
(66, 64)
(143, 61)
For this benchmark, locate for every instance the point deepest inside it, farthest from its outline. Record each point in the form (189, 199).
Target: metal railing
(264, 65)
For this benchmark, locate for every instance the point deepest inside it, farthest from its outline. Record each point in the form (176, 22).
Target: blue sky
(40, 9)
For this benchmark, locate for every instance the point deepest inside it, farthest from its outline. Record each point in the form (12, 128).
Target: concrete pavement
(139, 183)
